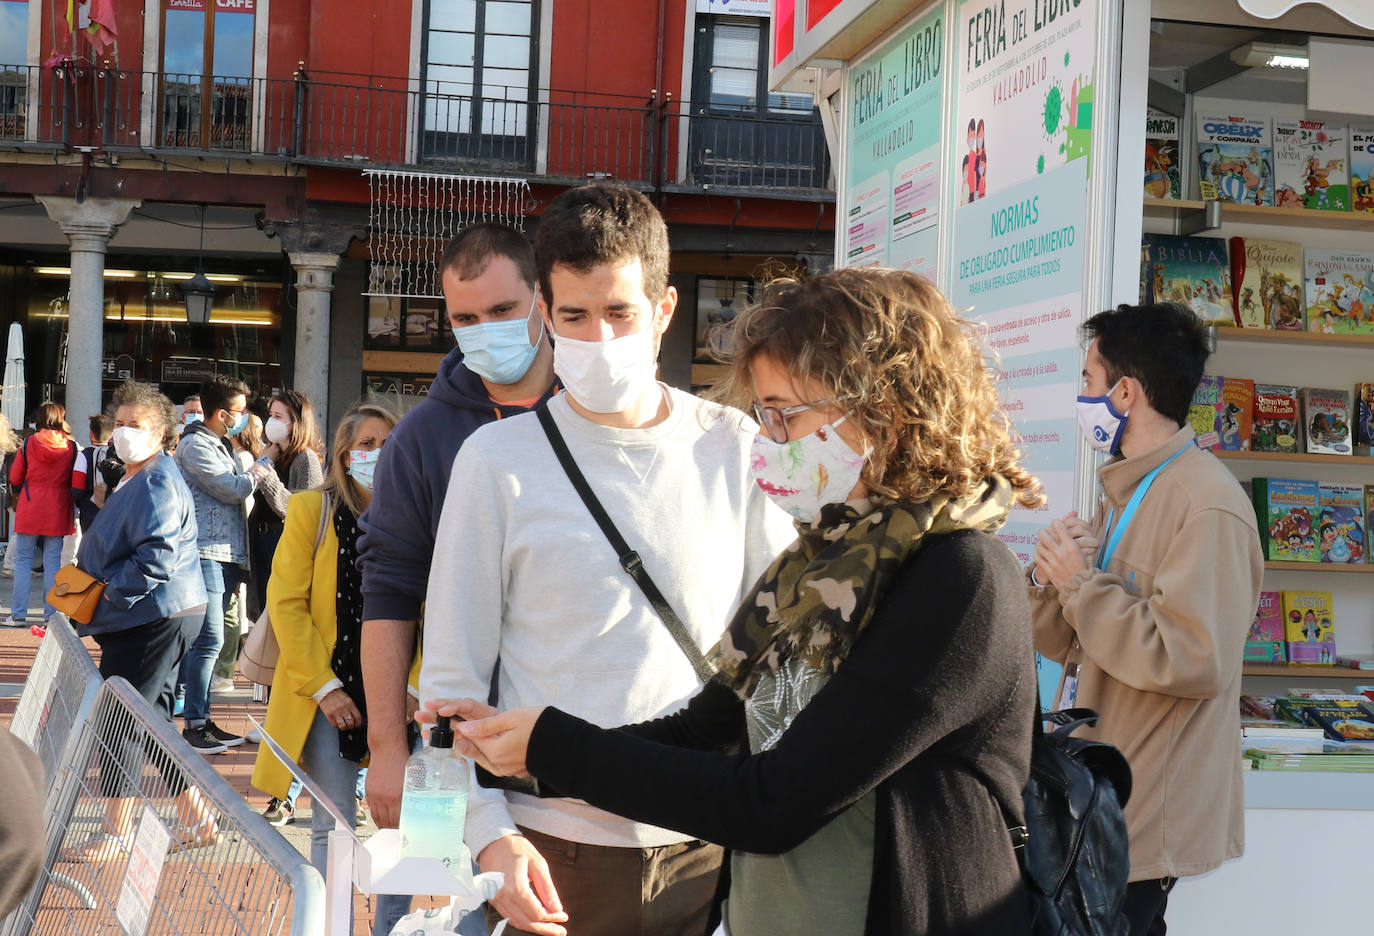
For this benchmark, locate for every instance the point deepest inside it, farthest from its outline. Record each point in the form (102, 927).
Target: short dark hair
(193, 398)
(102, 427)
(1162, 345)
(217, 391)
(470, 252)
(602, 223)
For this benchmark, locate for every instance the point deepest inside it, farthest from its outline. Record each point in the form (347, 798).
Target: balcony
(555, 136)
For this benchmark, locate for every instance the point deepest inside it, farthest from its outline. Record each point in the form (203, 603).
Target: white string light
(412, 215)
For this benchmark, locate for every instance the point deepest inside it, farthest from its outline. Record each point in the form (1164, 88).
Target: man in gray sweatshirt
(522, 572)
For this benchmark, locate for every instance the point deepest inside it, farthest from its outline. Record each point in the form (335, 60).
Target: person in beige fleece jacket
(1150, 617)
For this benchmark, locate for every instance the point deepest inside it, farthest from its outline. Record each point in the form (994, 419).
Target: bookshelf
(1306, 671)
(1302, 340)
(1173, 209)
(1357, 567)
(1302, 458)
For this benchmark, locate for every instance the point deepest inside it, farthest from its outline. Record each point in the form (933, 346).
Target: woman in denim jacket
(142, 545)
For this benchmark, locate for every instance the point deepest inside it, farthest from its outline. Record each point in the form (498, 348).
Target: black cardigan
(933, 708)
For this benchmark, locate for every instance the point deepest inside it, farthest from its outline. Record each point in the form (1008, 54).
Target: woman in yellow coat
(314, 597)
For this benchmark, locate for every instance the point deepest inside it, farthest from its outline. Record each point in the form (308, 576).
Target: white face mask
(1100, 423)
(606, 376)
(803, 475)
(134, 446)
(276, 430)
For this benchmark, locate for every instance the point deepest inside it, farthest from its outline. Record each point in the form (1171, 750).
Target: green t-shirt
(822, 885)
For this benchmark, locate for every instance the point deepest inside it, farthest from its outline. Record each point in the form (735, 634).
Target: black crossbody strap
(629, 559)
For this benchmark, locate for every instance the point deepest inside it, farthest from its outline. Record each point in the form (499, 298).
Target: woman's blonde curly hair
(893, 354)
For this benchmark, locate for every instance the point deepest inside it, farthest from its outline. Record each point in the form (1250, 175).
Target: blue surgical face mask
(191, 417)
(499, 352)
(1100, 423)
(239, 426)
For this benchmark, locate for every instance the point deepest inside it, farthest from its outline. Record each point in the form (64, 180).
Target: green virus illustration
(1040, 165)
(1054, 110)
(1066, 58)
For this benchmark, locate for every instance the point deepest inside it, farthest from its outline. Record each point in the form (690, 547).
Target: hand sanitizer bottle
(435, 799)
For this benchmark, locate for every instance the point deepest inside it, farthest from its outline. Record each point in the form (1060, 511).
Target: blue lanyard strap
(1115, 533)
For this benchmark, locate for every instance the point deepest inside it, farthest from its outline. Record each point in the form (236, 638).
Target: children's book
(1326, 421)
(1236, 159)
(1339, 291)
(1340, 523)
(1362, 168)
(1368, 520)
(1286, 512)
(1309, 626)
(1341, 722)
(1264, 643)
(1311, 165)
(1237, 404)
(1364, 414)
(1266, 283)
(1275, 426)
(1163, 172)
(1355, 662)
(1192, 271)
(1204, 413)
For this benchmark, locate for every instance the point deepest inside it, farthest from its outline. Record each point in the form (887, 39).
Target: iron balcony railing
(552, 134)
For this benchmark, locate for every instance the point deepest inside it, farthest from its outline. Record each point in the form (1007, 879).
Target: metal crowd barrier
(159, 841)
(58, 695)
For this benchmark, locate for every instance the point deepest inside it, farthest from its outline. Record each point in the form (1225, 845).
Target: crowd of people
(723, 674)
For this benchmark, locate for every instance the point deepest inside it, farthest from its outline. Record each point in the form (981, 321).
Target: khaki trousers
(607, 891)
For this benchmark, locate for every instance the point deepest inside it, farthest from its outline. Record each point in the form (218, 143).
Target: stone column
(315, 243)
(89, 225)
(314, 283)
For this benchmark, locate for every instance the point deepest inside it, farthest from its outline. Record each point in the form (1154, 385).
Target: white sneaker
(221, 684)
(253, 737)
(11, 622)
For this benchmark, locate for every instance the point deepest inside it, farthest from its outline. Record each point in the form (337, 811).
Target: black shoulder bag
(629, 559)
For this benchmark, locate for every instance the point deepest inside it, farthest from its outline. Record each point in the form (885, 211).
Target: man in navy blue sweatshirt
(502, 367)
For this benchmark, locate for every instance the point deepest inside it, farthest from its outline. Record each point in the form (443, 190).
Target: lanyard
(1104, 555)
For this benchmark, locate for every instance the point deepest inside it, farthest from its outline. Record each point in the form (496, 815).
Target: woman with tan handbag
(317, 711)
(142, 547)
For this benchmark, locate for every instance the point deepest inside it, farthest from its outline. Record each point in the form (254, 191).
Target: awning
(1358, 12)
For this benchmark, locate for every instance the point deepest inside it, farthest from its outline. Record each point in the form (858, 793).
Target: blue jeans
(338, 778)
(221, 581)
(359, 789)
(25, 545)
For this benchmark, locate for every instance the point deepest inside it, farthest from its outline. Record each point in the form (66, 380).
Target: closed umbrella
(13, 393)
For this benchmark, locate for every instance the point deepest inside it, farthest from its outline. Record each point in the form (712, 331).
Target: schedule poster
(892, 175)
(1022, 132)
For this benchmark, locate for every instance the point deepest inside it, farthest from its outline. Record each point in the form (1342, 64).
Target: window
(14, 73)
(479, 77)
(742, 134)
(14, 32)
(207, 55)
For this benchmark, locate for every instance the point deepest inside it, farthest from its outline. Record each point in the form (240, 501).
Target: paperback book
(1326, 421)
(1362, 168)
(1267, 279)
(1163, 176)
(1285, 511)
(1275, 420)
(1311, 168)
(1192, 271)
(1364, 414)
(1264, 643)
(1340, 523)
(1204, 413)
(1342, 723)
(1339, 287)
(1237, 404)
(1309, 626)
(1236, 159)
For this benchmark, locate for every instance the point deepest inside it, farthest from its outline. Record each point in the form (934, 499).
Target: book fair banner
(1022, 134)
(892, 172)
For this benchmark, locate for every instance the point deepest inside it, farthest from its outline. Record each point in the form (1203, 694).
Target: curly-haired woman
(865, 742)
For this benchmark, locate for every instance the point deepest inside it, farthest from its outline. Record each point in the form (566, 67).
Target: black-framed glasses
(773, 419)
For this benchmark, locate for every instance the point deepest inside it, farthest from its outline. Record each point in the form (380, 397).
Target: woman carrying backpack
(865, 742)
(41, 476)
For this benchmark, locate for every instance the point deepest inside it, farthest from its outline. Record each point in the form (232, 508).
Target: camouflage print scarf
(819, 595)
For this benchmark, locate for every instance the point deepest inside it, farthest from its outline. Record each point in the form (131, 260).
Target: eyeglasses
(773, 419)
